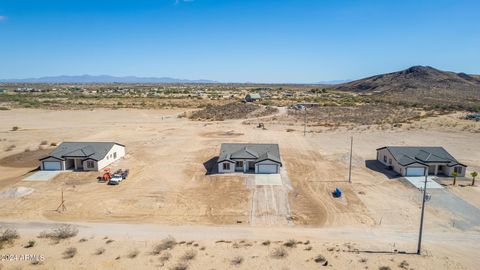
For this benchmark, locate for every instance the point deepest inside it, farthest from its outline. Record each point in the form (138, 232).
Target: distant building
(252, 97)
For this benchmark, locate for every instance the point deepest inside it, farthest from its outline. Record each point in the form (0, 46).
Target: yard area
(169, 184)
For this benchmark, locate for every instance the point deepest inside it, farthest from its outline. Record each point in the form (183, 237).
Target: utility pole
(305, 122)
(350, 167)
(421, 216)
(62, 206)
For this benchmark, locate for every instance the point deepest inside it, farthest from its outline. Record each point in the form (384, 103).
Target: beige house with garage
(420, 160)
(82, 156)
(249, 158)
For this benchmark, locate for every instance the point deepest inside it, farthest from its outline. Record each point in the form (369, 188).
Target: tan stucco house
(249, 157)
(420, 160)
(82, 156)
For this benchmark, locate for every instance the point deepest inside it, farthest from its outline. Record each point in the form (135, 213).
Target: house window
(458, 170)
(390, 161)
(239, 164)
(226, 166)
(90, 164)
(385, 159)
(115, 155)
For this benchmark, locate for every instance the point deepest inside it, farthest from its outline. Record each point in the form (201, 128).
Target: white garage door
(415, 171)
(267, 168)
(52, 165)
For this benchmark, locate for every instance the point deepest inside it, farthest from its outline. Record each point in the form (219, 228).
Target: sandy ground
(168, 159)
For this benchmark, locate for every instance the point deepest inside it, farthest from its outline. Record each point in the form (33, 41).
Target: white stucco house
(82, 156)
(249, 157)
(420, 160)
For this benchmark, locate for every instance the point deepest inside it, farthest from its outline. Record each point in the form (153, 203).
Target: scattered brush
(15, 128)
(133, 254)
(384, 268)
(279, 253)
(188, 255)
(322, 260)
(266, 243)
(404, 265)
(306, 242)
(62, 232)
(109, 241)
(237, 260)
(363, 260)
(165, 244)
(83, 240)
(99, 251)
(70, 253)
(165, 257)
(308, 248)
(30, 244)
(290, 243)
(179, 266)
(7, 236)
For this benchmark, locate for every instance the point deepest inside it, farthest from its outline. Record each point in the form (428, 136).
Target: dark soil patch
(25, 159)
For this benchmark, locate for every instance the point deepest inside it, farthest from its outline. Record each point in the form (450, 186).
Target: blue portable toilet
(337, 193)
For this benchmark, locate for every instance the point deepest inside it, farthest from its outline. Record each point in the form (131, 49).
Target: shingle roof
(91, 150)
(406, 155)
(256, 152)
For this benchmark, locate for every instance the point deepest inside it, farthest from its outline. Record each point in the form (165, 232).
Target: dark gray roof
(257, 152)
(406, 155)
(86, 150)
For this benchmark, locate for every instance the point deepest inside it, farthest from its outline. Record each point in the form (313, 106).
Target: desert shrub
(109, 241)
(266, 243)
(290, 243)
(165, 257)
(237, 260)
(10, 148)
(279, 253)
(320, 259)
(188, 255)
(167, 243)
(363, 260)
(132, 254)
(4, 109)
(7, 236)
(15, 128)
(53, 144)
(404, 264)
(384, 268)
(99, 251)
(69, 253)
(179, 266)
(62, 232)
(308, 248)
(83, 240)
(44, 143)
(30, 244)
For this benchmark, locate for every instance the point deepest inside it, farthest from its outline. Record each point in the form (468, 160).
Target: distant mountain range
(103, 79)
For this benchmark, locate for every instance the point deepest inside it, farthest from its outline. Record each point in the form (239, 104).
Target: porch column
(245, 166)
(75, 164)
(436, 169)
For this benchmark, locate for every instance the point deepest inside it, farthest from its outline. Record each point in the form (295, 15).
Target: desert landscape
(170, 192)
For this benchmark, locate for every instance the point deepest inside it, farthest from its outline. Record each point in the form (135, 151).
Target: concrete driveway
(419, 182)
(42, 176)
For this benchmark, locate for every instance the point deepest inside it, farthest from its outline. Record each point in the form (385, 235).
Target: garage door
(267, 168)
(415, 171)
(52, 165)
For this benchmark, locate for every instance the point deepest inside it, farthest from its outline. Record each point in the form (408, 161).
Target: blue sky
(237, 41)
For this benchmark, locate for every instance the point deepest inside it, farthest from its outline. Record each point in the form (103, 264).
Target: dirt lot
(168, 159)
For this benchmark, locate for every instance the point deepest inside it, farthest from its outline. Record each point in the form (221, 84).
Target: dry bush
(179, 266)
(15, 128)
(290, 243)
(188, 255)
(109, 241)
(279, 253)
(133, 254)
(384, 268)
(165, 244)
(321, 259)
(237, 260)
(404, 264)
(99, 251)
(363, 260)
(7, 236)
(83, 240)
(236, 110)
(308, 248)
(165, 257)
(30, 244)
(10, 148)
(69, 253)
(266, 243)
(44, 143)
(62, 232)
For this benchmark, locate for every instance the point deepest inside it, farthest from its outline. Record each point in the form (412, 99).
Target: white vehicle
(116, 179)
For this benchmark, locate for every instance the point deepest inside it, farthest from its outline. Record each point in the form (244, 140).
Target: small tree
(454, 174)
(473, 174)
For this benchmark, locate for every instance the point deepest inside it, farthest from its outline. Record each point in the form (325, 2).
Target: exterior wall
(95, 165)
(109, 159)
(449, 170)
(221, 170)
(396, 167)
(267, 162)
